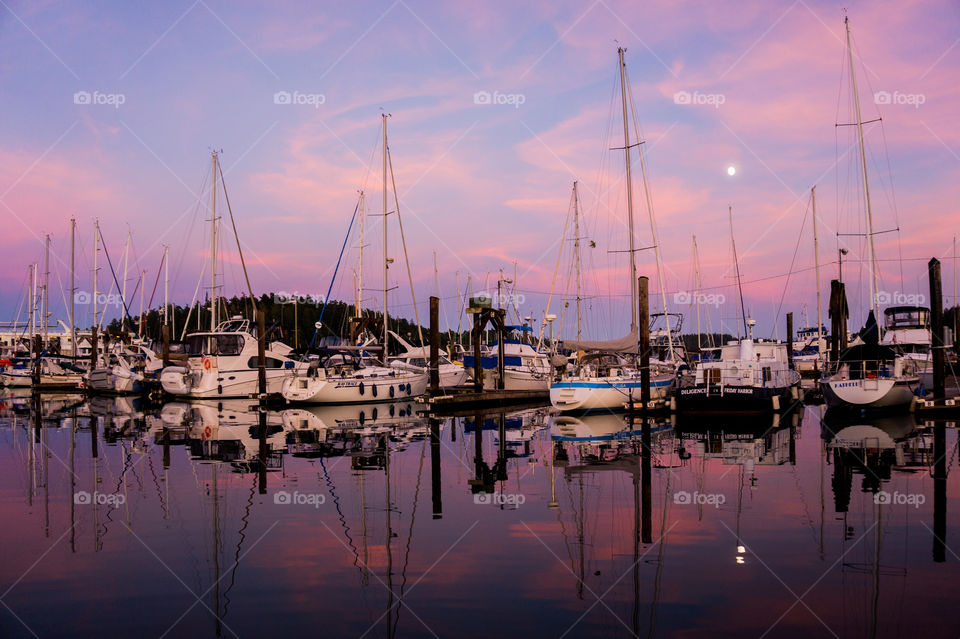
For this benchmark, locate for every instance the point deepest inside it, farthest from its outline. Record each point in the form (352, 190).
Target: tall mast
(356, 310)
(46, 288)
(816, 259)
(634, 324)
(123, 289)
(872, 257)
(576, 250)
(386, 335)
(33, 302)
(213, 246)
(73, 287)
(696, 286)
(96, 251)
(736, 262)
(166, 286)
(143, 276)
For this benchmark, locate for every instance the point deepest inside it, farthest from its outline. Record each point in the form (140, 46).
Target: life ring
(206, 363)
(206, 432)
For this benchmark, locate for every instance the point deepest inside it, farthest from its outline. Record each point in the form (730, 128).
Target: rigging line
(406, 557)
(783, 294)
(157, 281)
(243, 264)
(326, 300)
(406, 256)
(242, 533)
(103, 243)
(553, 282)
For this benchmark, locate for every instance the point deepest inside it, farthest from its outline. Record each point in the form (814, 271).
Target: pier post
(95, 341)
(502, 450)
(261, 355)
(936, 327)
(263, 451)
(501, 334)
(37, 349)
(434, 345)
(165, 353)
(790, 340)
(477, 368)
(646, 530)
(939, 492)
(643, 285)
(435, 467)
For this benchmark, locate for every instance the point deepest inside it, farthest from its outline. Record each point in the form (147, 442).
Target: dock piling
(643, 285)
(936, 327)
(434, 345)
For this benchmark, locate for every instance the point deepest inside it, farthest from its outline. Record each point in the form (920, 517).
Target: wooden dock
(455, 400)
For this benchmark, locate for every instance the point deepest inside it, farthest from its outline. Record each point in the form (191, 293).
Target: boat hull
(728, 398)
(353, 390)
(868, 394)
(214, 384)
(605, 393)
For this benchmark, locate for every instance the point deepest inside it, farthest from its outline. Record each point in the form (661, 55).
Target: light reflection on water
(214, 519)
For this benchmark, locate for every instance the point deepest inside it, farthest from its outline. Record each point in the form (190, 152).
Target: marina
(425, 320)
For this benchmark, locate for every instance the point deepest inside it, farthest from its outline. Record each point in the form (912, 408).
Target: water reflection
(221, 511)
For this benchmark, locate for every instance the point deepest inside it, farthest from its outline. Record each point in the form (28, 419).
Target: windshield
(214, 345)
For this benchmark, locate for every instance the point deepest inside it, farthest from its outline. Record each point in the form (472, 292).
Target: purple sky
(484, 186)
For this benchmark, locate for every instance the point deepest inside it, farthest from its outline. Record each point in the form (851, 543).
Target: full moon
(731, 170)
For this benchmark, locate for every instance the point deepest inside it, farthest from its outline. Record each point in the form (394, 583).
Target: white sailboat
(608, 378)
(345, 376)
(870, 375)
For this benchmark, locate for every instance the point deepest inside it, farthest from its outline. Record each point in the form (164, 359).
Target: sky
(111, 111)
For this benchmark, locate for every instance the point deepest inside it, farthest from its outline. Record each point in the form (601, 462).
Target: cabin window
(767, 376)
(215, 345)
(270, 362)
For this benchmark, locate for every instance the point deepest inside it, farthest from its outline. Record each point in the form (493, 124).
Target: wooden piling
(936, 327)
(477, 368)
(261, 355)
(434, 345)
(165, 335)
(790, 340)
(435, 467)
(501, 368)
(95, 340)
(643, 286)
(939, 492)
(37, 349)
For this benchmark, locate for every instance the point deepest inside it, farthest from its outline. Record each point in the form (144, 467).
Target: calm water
(194, 520)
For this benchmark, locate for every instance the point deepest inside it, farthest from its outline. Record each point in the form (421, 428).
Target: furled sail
(626, 344)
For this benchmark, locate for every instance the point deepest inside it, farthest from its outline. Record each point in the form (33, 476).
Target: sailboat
(607, 377)
(347, 375)
(870, 375)
(224, 362)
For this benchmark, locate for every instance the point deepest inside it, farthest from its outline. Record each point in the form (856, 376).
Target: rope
(326, 299)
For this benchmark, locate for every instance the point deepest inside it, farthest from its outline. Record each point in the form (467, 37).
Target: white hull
(605, 392)
(869, 393)
(355, 390)
(212, 384)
